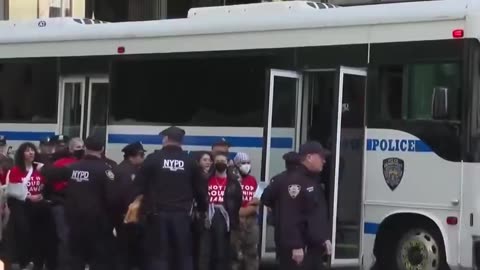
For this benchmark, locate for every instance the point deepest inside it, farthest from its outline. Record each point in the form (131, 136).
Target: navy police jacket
(86, 196)
(170, 180)
(300, 209)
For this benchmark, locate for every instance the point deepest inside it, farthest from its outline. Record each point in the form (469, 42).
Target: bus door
(347, 167)
(83, 106)
(282, 132)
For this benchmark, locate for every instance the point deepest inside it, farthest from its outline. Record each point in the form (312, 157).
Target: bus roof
(344, 25)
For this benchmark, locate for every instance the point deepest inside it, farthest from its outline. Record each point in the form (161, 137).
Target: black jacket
(86, 200)
(233, 196)
(170, 180)
(123, 187)
(301, 218)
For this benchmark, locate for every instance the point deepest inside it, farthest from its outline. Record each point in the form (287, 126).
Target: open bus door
(282, 120)
(82, 106)
(348, 138)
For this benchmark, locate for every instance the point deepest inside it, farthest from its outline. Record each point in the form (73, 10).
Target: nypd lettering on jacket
(80, 176)
(397, 145)
(174, 165)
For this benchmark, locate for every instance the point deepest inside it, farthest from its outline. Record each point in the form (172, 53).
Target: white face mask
(245, 168)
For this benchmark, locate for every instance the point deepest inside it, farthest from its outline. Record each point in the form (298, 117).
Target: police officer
(292, 161)
(60, 147)
(128, 235)
(221, 146)
(169, 181)
(6, 162)
(46, 149)
(110, 162)
(86, 207)
(301, 219)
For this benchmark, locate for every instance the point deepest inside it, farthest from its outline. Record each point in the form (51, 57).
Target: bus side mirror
(440, 103)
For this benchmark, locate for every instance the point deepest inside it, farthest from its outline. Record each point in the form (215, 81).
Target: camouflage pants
(245, 242)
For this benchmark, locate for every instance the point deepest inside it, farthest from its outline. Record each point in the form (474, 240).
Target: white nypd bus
(392, 89)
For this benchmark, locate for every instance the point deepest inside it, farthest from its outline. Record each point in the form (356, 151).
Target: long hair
(199, 155)
(19, 154)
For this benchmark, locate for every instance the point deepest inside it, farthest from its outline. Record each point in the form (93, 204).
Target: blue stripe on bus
(236, 141)
(256, 142)
(370, 228)
(25, 135)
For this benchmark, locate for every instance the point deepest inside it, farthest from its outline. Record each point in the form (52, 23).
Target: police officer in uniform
(128, 235)
(169, 181)
(46, 150)
(87, 207)
(6, 162)
(60, 147)
(292, 161)
(301, 219)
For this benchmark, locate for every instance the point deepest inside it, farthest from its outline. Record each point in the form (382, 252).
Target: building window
(29, 91)
(54, 8)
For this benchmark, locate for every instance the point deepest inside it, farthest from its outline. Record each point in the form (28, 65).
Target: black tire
(415, 245)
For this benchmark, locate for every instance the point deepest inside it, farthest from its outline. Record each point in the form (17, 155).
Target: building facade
(30, 9)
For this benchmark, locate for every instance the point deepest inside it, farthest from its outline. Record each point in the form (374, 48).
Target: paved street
(263, 267)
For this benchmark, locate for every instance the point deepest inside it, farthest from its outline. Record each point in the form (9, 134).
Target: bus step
(348, 227)
(347, 246)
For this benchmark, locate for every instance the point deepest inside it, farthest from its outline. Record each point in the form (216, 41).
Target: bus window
(404, 92)
(218, 92)
(28, 92)
(399, 97)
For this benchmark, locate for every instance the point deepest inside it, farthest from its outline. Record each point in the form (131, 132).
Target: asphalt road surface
(274, 267)
(263, 267)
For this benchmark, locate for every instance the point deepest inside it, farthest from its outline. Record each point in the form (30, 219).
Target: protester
(225, 199)
(245, 239)
(29, 216)
(204, 161)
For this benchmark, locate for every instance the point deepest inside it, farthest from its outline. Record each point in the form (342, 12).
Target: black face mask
(220, 167)
(78, 153)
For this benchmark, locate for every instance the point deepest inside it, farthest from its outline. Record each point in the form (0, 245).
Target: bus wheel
(420, 249)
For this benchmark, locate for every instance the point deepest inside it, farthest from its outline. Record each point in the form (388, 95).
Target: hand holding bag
(133, 213)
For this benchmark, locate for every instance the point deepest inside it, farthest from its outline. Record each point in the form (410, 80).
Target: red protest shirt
(249, 187)
(34, 184)
(216, 189)
(61, 185)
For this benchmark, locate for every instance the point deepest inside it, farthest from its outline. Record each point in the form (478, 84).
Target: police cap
(173, 133)
(59, 139)
(221, 142)
(3, 140)
(46, 141)
(94, 144)
(291, 157)
(313, 147)
(133, 149)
